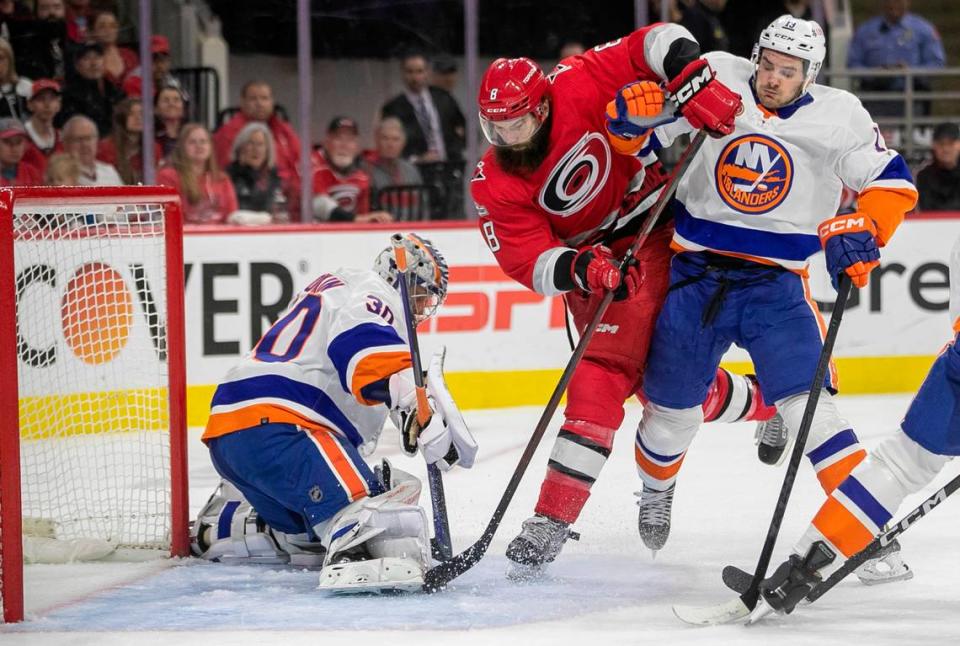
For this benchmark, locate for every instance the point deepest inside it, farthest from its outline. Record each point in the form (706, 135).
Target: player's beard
(526, 159)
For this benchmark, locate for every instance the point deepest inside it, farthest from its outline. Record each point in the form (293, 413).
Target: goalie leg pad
(378, 543)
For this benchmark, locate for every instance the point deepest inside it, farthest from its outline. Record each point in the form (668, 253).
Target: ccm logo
(606, 328)
(847, 224)
(694, 85)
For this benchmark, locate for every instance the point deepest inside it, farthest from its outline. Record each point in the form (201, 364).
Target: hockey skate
(886, 567)
(538, 544)
(772, 438)
(654, 521)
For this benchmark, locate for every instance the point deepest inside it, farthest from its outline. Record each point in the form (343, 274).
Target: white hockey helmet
(796, 37)
(425, 265)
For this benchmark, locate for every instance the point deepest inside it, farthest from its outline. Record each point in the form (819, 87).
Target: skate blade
(885, 577)
(761, 610)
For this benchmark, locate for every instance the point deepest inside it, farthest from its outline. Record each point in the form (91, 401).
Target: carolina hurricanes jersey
(532, 221)
(322, 364)
(761, 192)
(351, 190)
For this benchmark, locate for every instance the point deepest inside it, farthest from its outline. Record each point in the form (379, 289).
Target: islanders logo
(754, 174)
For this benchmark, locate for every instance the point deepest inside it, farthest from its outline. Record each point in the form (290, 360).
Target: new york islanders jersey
(761, 192)
(534, 220)
(322, 364)
(955, 286)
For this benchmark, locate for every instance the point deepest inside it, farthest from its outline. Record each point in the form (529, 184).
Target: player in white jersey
(749, 212)
(902, 464)
(290, 422)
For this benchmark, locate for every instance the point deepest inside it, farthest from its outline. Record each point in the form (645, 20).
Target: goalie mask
(427, 271)
(795, 37)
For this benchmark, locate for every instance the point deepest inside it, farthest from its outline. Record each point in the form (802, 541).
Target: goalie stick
(436, 578)
(441, 546)
(741, 607)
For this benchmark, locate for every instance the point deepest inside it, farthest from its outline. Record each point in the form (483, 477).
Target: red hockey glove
(706, 103)
(850, 245)
(595, 269)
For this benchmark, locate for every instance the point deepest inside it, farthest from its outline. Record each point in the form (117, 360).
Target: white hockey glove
(446, 428)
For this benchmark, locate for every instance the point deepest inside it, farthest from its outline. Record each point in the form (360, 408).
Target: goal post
(92, 373)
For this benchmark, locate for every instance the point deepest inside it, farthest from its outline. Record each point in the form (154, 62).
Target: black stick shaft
(439, 576)
(752, 594)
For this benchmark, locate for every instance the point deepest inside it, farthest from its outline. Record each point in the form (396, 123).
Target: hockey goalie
(290, 424)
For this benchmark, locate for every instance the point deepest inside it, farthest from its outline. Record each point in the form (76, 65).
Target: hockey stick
(441, 547)
(439, 576)
(885, 539)
(747, 601)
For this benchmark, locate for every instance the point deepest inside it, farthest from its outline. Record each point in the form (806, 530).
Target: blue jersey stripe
(896, 168)
(347, 344)
(862, 498)
(279, 387)
(795, 247)
(657, 456)
(834, 445)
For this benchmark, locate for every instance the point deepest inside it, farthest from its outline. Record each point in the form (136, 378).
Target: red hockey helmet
(512, 101)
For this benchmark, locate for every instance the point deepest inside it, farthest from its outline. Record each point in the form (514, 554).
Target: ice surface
(603, 590)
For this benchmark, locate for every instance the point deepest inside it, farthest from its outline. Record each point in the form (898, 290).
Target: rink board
(507, 345)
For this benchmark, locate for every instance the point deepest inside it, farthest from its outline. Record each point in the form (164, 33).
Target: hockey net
(92, 367)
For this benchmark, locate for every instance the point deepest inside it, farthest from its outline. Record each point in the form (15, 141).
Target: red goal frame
(11, 549)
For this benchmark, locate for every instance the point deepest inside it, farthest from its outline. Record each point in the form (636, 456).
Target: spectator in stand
(206, 192)
(341, 188)
(12, 11)
(123, 149)
(571, 48)
(78, 16)
(445, 73)
(253, 169)
(44, 105)
(386, 165)
(436, 133)
(62, 170)
(892, 40)
(162, 66)
(13, 170)
(702, 18)
(939, 181)
(14, 90)
(256, 104)
(40, 43)
(80, 139)
(169, 109)
(117, 61)
(89, 93)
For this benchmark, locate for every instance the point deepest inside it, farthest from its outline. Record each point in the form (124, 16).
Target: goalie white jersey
(323, 364)
(761, 192)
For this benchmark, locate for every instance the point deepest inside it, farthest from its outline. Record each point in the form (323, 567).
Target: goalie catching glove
(445, 440)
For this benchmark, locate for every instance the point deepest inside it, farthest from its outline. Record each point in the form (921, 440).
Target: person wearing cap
(44, 105)
(257, 104)
(13, 170)
(341, 187)
(88, 92)
(939, 181)
(14, 89)
(162, 64)
(117, 61)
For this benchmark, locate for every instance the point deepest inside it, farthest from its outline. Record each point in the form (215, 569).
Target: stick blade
(736, 579)
(724, 613)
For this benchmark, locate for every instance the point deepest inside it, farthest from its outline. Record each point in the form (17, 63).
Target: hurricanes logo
(754, 174)
(346, 195)
(577, 177)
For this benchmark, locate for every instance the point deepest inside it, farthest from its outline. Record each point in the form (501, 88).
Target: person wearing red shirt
(560, 199)
(117, 61)
(256, 104)
(341, 187)
(123, 149)
(44, 139)
(13, 170)
(206, 192)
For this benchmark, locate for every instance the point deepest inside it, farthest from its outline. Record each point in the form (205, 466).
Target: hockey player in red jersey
(557, 207)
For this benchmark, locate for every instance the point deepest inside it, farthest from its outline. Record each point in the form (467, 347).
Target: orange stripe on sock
(355, 487)
(831, 476)
(655, 470)
(841, 527)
